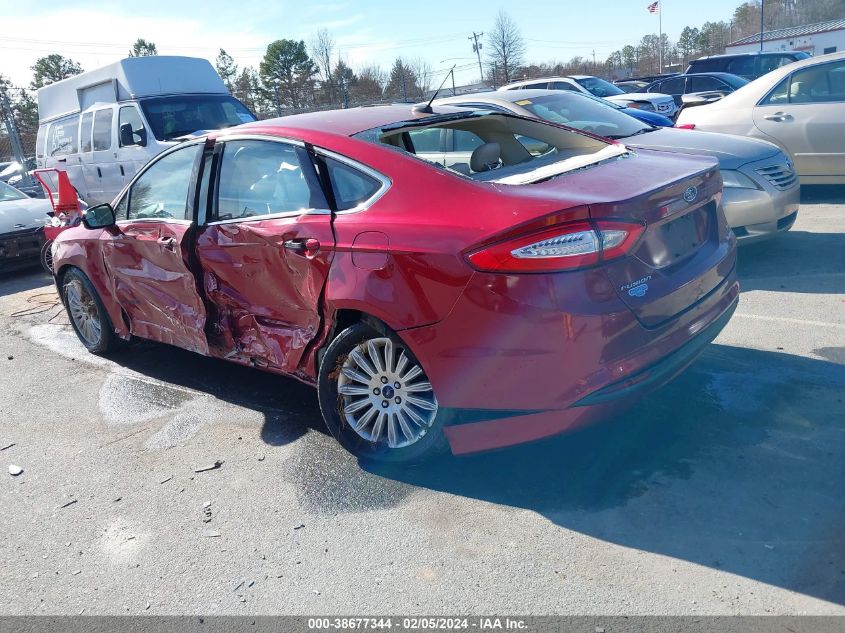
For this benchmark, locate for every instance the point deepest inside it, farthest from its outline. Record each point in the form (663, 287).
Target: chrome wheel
(83, 310)
(384, 395)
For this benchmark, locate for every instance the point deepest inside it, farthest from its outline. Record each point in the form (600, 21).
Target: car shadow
(289, 407)
(736, 465)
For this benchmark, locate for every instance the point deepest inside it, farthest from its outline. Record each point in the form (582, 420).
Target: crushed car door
(265, 252)
(149, 258)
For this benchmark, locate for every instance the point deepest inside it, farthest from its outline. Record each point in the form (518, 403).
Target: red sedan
(528, 281)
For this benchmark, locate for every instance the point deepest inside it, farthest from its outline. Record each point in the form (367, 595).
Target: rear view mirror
(99, 217)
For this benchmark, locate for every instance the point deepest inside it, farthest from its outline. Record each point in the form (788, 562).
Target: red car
(532, 280)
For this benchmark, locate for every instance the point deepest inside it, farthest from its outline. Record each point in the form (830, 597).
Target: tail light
(562, 247)
(686, 126)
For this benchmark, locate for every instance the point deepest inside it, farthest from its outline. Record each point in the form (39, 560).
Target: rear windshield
(590, 115)
(488, 146)
(600, 87)
(171, 117)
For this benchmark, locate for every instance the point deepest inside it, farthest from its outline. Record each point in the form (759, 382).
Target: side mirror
(142, 136)
(130, 137)
(99, 217)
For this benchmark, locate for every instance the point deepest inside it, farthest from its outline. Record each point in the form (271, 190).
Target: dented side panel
(265, 297)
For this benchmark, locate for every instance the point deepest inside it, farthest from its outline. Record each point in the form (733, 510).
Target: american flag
(654, 7)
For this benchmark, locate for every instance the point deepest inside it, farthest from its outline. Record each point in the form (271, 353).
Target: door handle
(168, 242)
(778, 116)
(61, 160)
(99, 172)
(304, 245)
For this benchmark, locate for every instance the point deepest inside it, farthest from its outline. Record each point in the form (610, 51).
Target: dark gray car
(22, 221)
(761, 189)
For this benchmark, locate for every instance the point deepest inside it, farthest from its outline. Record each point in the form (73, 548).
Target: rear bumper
(508, 365)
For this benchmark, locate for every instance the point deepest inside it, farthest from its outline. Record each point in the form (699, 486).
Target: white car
(587, 84)
(799, 107)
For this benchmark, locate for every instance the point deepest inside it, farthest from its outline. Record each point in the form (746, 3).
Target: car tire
(87, 314)
(376, 399)
(47, 257)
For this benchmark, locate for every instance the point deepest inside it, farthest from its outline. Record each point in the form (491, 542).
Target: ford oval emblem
(638, 291)
(690, 194)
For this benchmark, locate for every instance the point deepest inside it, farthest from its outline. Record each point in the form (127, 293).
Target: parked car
(631, 85)
(487, 302)
(103, 125)
(21, 179)
(759, 202)
(22, 221)
(652, 102)
(677, 86)
(747, 65)
(799, 107)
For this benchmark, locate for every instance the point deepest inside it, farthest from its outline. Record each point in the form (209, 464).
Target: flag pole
(660, 38)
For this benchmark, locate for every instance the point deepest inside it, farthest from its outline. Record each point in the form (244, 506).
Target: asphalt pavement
(719, 494)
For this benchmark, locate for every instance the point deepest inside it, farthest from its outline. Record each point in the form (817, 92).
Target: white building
(816, 39)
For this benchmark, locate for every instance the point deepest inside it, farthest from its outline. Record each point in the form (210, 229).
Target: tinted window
(39, 141)
(85, 132)
(63, 136)
(540, 86)
(824, 83)
(171, 117)
(674, 86)
(128, 114)
(707, 65)
(466, 141)
(562, 85)
(427, 140)
(263, 178)
(102, 129)
(742, 66)
(350, 186)
(703, 84)
(161, 192)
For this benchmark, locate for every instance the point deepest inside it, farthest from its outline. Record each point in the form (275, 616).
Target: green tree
(688, 43)
(370, 85)
(227, 69)
(287, 74)
(629, 57)
(52, 68)
(402, 83)
(345, 79)
(247, 90)
(143, 48)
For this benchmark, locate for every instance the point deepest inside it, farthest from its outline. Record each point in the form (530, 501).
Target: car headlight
(641, 106)
(738, 180)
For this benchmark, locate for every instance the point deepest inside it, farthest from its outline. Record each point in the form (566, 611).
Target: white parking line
(760, 317)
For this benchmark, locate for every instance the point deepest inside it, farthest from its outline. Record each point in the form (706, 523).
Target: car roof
(748, 54)
(508, 96)
(346, 122)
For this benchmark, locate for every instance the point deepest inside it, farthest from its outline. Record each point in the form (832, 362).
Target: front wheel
(87, 314)
(47, 256)
(376, 398)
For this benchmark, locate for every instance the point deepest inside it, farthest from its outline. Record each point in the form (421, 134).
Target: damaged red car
(529, 280)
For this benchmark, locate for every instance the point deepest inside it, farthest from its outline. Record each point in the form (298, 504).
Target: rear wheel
(376, 398)
(87, 314)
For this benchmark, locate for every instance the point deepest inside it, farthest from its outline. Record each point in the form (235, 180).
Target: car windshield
(8, 193)
(172, 117)
(590, 115)
(489, 146)
(600, 87)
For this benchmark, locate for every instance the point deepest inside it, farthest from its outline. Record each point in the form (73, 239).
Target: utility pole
(476, 48)
(594, 60)
(762, 6)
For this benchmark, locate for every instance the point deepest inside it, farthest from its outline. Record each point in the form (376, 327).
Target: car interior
(491, 145)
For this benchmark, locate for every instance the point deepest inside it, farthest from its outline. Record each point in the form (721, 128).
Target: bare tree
(505, 48)
(322, 48)
(422, 71)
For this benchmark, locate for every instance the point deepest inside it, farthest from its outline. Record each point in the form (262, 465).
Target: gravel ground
(720, 494)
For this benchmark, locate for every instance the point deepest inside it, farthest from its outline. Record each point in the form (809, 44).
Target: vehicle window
(8, 192)
(39, 141)
(824, 83)
(85, 132)
(655, 87)
(161, 192)
(708, 65)
(534, 147)
(539, 86)
(121, 208)
(466, 141)
(562, 85)
(263, 178)
(128, 114)
(427, 140)
(171, 117)
(503, 156)
(600, 87)
(63, 137)
(102, 129)
(742, 66)
(703, 84)
(584, 113)
(674, 86)
(768, 63)
(350, 186)
(779, 95)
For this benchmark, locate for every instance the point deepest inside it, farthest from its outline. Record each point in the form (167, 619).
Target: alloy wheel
(84, 312)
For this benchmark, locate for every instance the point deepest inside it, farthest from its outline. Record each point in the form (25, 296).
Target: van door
(86, 156)
(132, 152)
(106, 168)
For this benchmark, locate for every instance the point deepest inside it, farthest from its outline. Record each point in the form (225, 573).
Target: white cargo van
(103, 125)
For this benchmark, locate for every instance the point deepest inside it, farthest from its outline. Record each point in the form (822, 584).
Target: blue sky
(371, 32)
